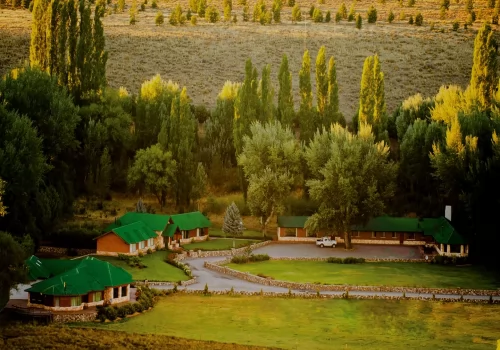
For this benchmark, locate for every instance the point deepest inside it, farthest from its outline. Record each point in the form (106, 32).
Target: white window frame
(95, 296)
(133, 247)
(383, 234)
(394, 235)
(142, 244)
(75, 300)
(56, 301)
(409, 236)
(150, 242)
(374, 234)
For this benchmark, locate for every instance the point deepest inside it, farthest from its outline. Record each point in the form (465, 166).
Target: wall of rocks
(340, 296)
(217, 253)
(341, 288)
(74, 317)
(63, 251)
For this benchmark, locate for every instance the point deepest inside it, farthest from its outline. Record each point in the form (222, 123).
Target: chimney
(447, 212)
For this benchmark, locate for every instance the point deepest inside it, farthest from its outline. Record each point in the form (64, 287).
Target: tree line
(65, 134)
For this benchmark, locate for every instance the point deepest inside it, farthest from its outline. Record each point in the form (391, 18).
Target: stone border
(74, 317)
(63, 251)
(340, 296)
(337, 287)
(217, 253)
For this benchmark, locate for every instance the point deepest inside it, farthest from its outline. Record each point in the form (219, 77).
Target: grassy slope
(322, 324)
(157, 269)
(60, 337)
(374, 274)
(218, 244)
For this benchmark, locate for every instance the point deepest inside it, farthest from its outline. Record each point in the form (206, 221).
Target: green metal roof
(156, 222)
(135, 233)
(442, 231)
(45, 268)
(191, 221)
(90, 274)
(170, 230)
(389, 224)
(292, 221)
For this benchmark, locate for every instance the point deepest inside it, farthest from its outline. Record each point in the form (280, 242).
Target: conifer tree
(140, 207)
(332, 114)
(99, 55)
(306, 115)
(285, 97)
(266, 95)
(379, 111)
(84, 52)
(62, 38)
(53, 16)
(366, 98)
(38, 47)
(321, 82)
(484, 78)
(233, 224)
(73, 80)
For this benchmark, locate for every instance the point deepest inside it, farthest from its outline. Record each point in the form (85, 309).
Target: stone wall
(297, 239)
(195, 239)
(295, 258)
(143, 250)
(63, 251)
(74, 317)
(340, 288)
(215, 253)
(56, 308)
(344, 295)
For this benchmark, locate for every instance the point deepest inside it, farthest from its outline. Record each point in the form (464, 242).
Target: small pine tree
(445, 4)
(233, 224)
(121, 5)
(455, 25)
(276, 11)
(419, 19)
(158, 21)
(469, 5)
(317, 16)
(154, 4)
(290, 293)
(352, 14)
(261, 292)
(328, 17)
(227, 13)
(194, 20)
(231, 292)
(189, 14)
(390, 18)
(404, 295)
(343, 10)
(246, 13)
(410, 20)
(311, 11)
(143, 7)
(212, 14)
(202, 7)
(140, 207)
(411, 3)
(490, 300)
(175, 290)
(291, 3)
(359, 21)
(205, 290)
(372, 14)
(296, 14)
(338, 17)
(133, 12)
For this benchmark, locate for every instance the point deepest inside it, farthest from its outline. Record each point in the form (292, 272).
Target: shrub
(143, 7)
(311, 11)
(154, 4)
(189, 14)
(317, 16)
(123, 257)
(352, 14)
(402, 16)
(296, 14)
(159, 19)
(455, 25)
(194, 20)
(372, 14)
(343, 11)
(291, 3)
(334, 260)
(149, 251)
(348, 260)
(411, 3)
(259, 257)
(328, 17)
(239, 259)
(419, 19)
(338, 17)
(494, 17)
(359, 21)
(140, 254)
(121, 312)
(205, 290)
(235, 19)
(111, 313)
(138, 307)
(390, 18)
(410, 20)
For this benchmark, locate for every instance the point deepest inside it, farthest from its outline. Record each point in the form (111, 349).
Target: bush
(348, 260)
(149, 251)
(154, 4)
(143, 7)
(296, 14)
(317, 16)
(159, 19)
(138, 307)
(338, 17)
(372, 14)
(410, 20)
(111, 313)
(411, 3)
(291, 3)
(239, 259)
(449, 260)
(455, 25)
(334, 260)
(200, 112)
(359, 21)
(179, 265)
(419, 19)
(121, 312)
(259, 257)
(212, 14)
(194, 20)
(328, 17)
(390, 18)
(311, 11)
(140, 254)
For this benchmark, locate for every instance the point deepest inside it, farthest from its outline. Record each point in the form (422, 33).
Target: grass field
(219, 244)
(60, 337)
(203, 57)
(322, 324)
(156, 270)
(374, 274)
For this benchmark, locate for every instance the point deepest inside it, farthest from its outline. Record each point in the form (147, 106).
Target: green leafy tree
(285, 113)
(333, 114)
(199, 185)
(271, 161)
(484, 77)
(233, 223)
(321, 82)
(153, 171)
(333, 156)
(306, 114)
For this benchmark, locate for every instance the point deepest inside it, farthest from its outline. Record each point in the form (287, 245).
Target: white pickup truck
(326, 242)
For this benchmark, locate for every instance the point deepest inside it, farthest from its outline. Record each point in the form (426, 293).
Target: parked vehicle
(326, 242)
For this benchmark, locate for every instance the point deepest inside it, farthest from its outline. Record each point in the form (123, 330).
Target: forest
(65, 134)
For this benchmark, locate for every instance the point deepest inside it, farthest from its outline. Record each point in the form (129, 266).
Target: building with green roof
(137, 232)
(81, 283)
(435, 232)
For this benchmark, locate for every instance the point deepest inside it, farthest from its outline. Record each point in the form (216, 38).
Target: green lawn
(217, 232)
(374, 274)
(156, 270)
(219, 244)
(321, 323)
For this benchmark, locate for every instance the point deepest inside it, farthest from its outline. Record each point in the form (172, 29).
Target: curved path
(220, 282)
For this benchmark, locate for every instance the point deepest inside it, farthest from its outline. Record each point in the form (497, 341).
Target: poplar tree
(84, 53)
(266, 95)
(99, 55)
(379, 111)
(38, 47)
(484, 78)
(73, 80)
(332, 114)
(51, 36)
(366, 98)
(321, 82)
(305, 112)
(285, 98)
(62, 38)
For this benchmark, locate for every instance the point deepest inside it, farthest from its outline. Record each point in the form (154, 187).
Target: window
(97, 296)
(185, 234)
(124, 291)
(355, 233)
(374, 234)
(133, 248)
(56, 301)
(411, 236)
(202, 232)
(115, 292)
(76, 301)
(142, 244)
(383, 234)
(394, 235)
(150, 242)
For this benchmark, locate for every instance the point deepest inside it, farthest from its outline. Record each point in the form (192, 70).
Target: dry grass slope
(203, 57)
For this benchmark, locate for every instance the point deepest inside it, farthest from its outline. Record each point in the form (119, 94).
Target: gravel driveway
(359, 251)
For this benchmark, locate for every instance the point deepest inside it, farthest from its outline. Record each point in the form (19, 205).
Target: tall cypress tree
(321, 82)
(332, 114)
(285, 97)
(484, 68)
(73, 79)
(38, 47)
(379, 111)
(62, 38)
(306, 114)
(366, 98)
(100, 56)
(84, 53)
(53, 17)
(266, 95)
